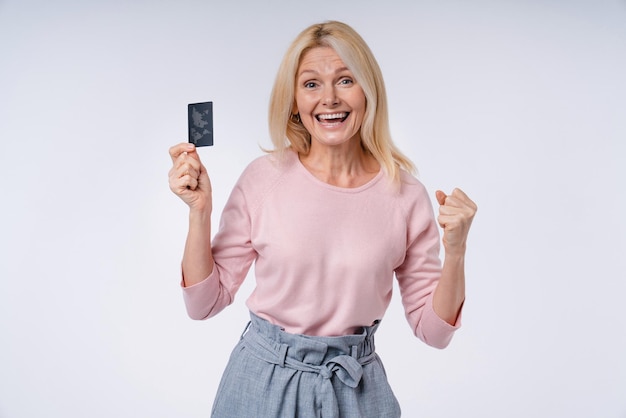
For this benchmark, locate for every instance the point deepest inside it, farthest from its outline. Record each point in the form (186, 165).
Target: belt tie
(348, 369)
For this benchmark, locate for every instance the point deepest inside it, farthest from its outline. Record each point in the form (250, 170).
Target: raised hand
(456, 212)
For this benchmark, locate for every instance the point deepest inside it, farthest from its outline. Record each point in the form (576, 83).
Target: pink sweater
(325, 256)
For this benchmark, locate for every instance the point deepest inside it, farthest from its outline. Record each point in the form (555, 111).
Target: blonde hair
(287, 131)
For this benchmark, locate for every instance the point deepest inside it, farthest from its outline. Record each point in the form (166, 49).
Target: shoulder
(411, 187)
(264, 173)
(270, 164)
(413, 197)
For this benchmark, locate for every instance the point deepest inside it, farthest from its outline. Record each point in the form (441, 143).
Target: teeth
(333, 116)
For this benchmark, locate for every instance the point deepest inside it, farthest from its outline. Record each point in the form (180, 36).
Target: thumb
(441, 197)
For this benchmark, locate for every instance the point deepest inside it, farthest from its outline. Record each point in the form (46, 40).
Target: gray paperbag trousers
(272, 373)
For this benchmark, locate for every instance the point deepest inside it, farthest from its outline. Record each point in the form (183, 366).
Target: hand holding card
(188, 178)
(200, 123)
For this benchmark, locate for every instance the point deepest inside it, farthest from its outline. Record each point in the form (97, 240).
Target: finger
(184, 174)
(186, 162)
(452, 219)
(192, 184)
(441, 197)
(463, 199)
(448, 222)
(181, 170)
(462, 215)
(178, 149)
(187, 169)
(455, 221)
(458, 193)
(458, 199)
(449, 210)
(178, 185)
(182, 184)
(454, 202)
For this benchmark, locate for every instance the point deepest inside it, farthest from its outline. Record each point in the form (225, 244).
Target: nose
(330, 97)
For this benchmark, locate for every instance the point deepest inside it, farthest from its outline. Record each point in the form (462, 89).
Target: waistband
(342, 356)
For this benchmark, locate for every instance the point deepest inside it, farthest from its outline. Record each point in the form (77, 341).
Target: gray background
(520, 103)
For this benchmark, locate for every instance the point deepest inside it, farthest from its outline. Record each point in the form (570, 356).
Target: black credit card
(200, 122)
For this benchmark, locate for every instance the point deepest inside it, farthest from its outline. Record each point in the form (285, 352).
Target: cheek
(361, 101)
(359, 104)
(302, 102)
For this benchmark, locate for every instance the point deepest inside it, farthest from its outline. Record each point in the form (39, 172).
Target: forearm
(450, 292)
(456, 213)
(197, 261)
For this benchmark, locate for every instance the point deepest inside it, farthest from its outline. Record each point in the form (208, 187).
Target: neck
(348, 166)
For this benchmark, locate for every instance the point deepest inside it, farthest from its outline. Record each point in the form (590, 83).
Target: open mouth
(332, 117)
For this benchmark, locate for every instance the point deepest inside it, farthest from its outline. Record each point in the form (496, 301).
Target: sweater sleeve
(419, 274)
(233, 254)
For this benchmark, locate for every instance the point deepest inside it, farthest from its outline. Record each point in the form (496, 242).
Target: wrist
(200, 215)
(456, 256)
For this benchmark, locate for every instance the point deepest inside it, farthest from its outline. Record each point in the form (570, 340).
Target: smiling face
(330, 102)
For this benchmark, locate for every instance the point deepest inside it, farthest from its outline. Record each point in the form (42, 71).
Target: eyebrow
(339, 70)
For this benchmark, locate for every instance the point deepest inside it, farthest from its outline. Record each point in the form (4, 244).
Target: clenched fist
(456, 212)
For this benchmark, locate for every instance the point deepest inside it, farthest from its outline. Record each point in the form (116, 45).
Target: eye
(310, 85)
(346, 81)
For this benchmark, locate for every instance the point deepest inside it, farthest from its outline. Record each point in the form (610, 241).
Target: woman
(329, 216)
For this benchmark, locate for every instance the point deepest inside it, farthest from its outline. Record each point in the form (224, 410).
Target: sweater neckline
(319, 182)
